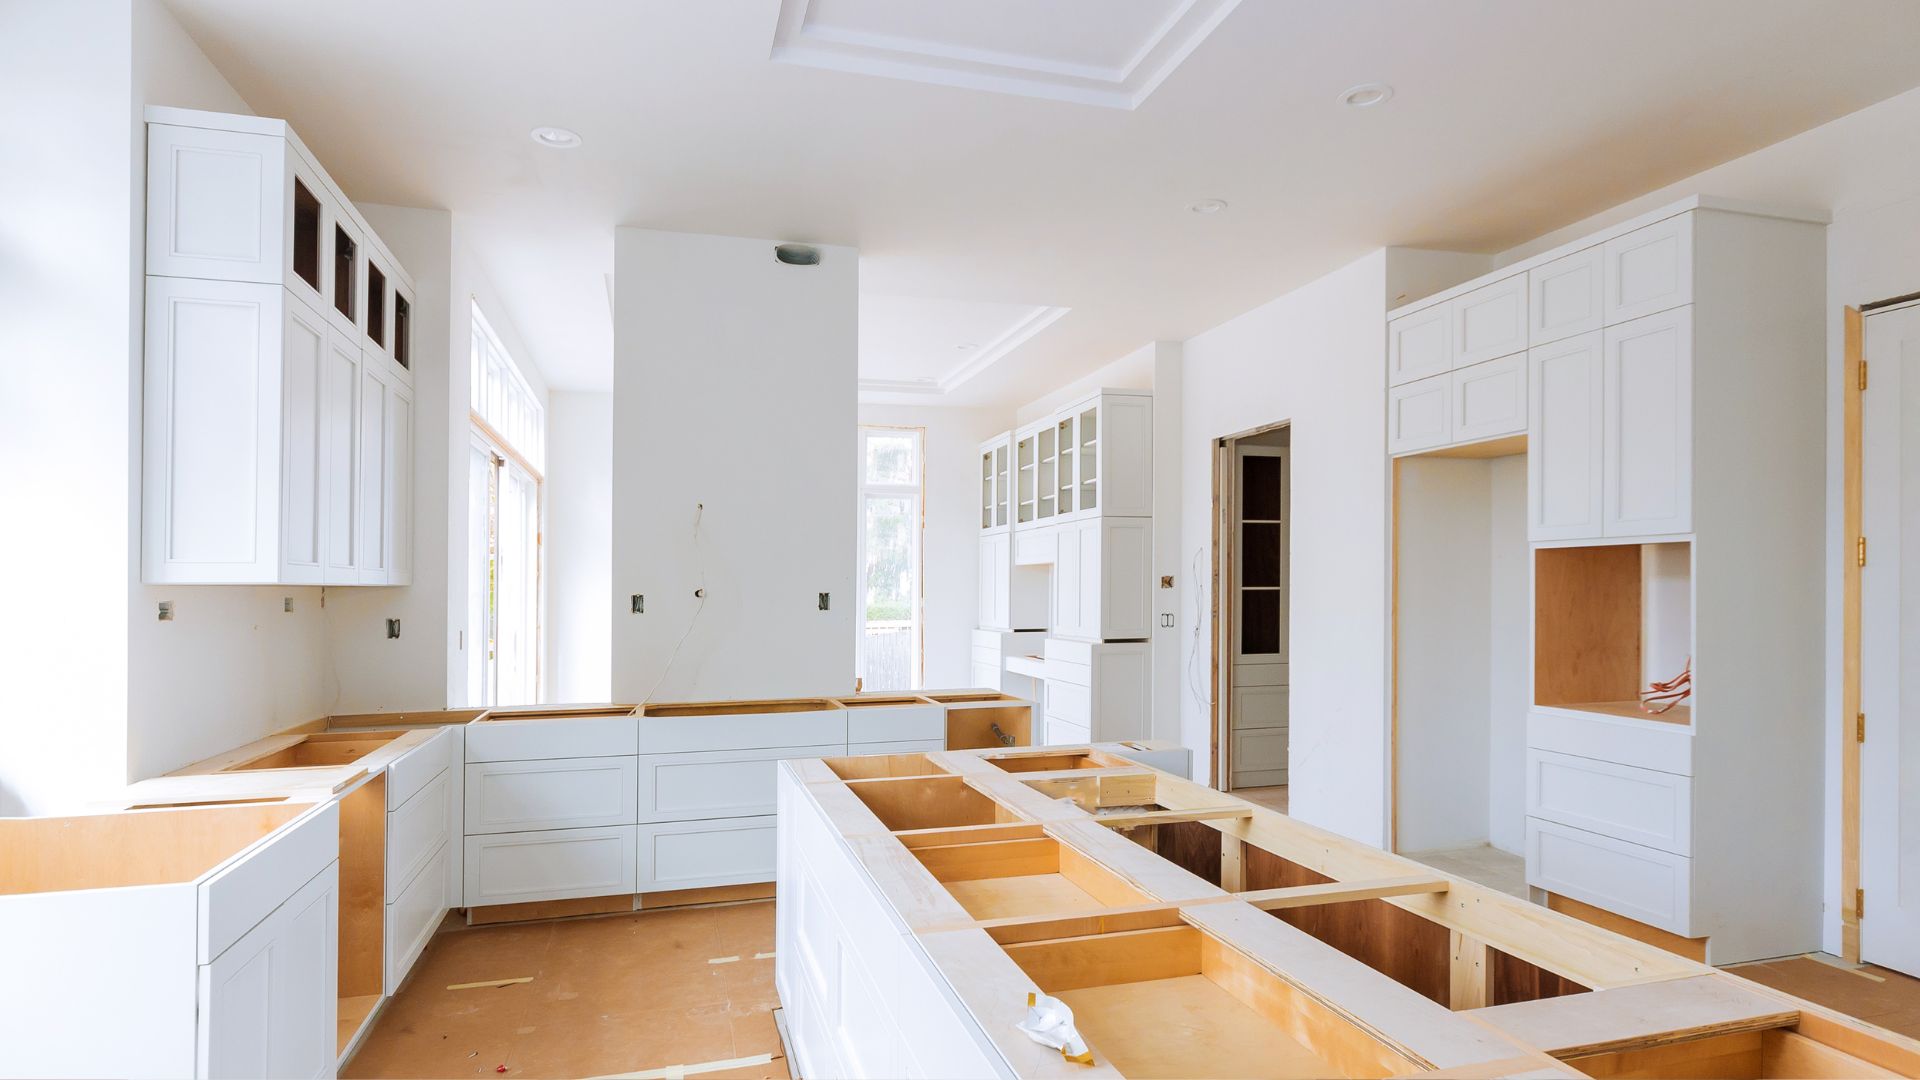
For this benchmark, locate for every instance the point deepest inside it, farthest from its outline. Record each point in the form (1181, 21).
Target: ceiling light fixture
(1208, 206)
(966, 346)
(1366, 95)
(557, 138)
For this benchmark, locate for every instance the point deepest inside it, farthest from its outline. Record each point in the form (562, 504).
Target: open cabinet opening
(1608, 621)
(306, 235)
(1024, 877)
(363, 895)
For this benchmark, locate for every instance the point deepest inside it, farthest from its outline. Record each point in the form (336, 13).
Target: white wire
(1201, 694)
(700, 597)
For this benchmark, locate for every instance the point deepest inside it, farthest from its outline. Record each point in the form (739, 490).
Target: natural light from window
(891, 496)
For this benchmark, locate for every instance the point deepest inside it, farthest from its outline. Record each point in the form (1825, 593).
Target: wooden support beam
(970, 834)
(1165, 817)
(1233, 876)
(1467, 972)
(1340, 892)
(1635, 1018)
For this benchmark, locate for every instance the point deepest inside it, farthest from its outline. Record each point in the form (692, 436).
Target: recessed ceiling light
(1208, 206)
(558, 138)
(966, 346)
(1366, 95)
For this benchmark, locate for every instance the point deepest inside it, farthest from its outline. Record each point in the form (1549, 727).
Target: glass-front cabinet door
(1065, 479)
(1087, 432)
(1002, 483)
(1048, 450)
(1027, 465)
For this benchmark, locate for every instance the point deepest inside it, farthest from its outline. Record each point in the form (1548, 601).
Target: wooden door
(1890, 642)
(1257, 755)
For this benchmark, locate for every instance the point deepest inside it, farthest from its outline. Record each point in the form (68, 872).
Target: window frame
(916, 490)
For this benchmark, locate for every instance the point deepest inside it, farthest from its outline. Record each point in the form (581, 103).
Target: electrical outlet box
(639, 603)
(393, 628)
(824, 600)
(166, 611)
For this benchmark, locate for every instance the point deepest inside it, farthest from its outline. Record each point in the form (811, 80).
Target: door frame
(1220, 675)
(1852, 375)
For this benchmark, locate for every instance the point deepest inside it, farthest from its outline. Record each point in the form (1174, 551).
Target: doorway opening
(1252, 496)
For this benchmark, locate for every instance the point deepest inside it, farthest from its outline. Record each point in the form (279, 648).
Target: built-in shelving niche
(1607, 621)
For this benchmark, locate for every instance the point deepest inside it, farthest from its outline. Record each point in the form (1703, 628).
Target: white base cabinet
(699, 854)
(560, 864)
(1098, 691)
(269, 999)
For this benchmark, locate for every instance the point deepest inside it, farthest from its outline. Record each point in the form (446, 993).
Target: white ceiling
(914, 347)
(1510, 117)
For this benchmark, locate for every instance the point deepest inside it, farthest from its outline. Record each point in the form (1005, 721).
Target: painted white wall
(1509, 653)
(951, 541)
(1168, 552)
(734, 382)
(1864, 169)
(579, 547)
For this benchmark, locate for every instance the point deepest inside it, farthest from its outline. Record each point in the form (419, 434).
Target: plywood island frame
(924, 897)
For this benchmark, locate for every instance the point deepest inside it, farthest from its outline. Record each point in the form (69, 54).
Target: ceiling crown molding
(800, 40)
(980, 360)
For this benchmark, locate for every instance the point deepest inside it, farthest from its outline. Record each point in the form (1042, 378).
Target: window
(888, 649)
(506, 451)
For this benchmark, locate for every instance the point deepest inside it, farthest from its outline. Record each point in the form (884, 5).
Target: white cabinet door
(1420, 344)
(1649, 269)
(399, 534)
(996, 567)
(340, 415)
(302, 446)
(267, 1004)
(1647, 445)
(561, 793)
(375, 431)
(211, 439)
(698, 854)
(214, 204)
(1563, 439)
(1123, 566)
(413, 916)
(1068, 582)
(1490, 321)
(1565, 297)
(1420, 414)
(725, 783)
(416, 830)
(514, 868)
(1490, 399)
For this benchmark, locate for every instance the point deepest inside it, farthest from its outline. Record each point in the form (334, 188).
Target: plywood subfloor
(1024, 894)
(1874, 994)
(1183, 1027)
(610, 994)
(1482, 864)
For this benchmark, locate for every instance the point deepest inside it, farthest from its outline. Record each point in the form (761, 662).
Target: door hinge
(1860, 727)
(1860, 551)
(1863, 374)
(1859, 904)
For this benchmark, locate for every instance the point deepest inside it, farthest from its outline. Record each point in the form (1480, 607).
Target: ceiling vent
(797, 254)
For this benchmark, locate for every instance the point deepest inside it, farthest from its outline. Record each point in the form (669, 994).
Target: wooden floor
(610, 994)
(1873, 994)
(1482, 864)
(1273, 798)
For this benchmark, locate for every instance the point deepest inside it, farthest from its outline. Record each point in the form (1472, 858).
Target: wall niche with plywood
(1610, 620)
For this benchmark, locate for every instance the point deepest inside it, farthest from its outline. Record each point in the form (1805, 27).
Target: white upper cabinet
(1649, 269)
(996, 482)
(1647, 445)
(277, 446)
(1420, 344)
(1564, 297)
(1420, 414)
(1490, 321)
(1093, 457)
(1563, 439)
(1490, 399)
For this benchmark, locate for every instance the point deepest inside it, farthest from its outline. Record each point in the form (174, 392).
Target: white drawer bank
(174, 942)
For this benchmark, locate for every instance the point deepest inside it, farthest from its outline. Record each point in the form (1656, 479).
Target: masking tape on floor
(676, 1072)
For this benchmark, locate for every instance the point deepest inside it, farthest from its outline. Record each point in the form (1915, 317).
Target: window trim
(917, 490)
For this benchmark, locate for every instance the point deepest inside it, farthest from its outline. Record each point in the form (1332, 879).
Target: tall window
(891, 496)
(506, 451)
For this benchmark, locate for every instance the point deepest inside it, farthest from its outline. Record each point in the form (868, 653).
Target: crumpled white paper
(1049, 1022)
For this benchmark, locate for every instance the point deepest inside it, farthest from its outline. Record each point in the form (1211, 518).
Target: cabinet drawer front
(1641, 883)
(1068, 702)
(1564, 391)
(260, 879)
(1420, 344)
(696, 854)
(895, 724)
(413, 915)
(990, 640)
(728, 783)
(1643, 744)
(1032, 546)
(1060, 650)
(570, 793)
(1649, 269)
(744, 731)
(1565, 297)
(1490, 399)
(1490, 321)
(418, 829)
(528, 740)
(417, 768)
(1641, 806)
(1420, 415)
(517, 867)
(1066, 733)
(1648, 436)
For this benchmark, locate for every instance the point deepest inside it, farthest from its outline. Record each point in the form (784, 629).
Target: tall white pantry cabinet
(1668, 375)
(278, 389)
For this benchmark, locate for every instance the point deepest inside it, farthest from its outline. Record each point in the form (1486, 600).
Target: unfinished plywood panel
(933, 803)
(149, 847)
(882, 766)
(989, 727)
(317, 750)
(363, 888)
(1511, 979)
(1586, 624)
(1193, 846)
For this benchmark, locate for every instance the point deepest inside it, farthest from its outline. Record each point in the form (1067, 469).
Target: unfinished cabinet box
(202, 942)
(277, 443)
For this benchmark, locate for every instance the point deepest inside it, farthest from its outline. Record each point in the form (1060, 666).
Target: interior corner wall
(950, 552)
(579, 546)
(65, 328)
(734, 390)
(1316, 358)
(1169, 555)
(1510, 652)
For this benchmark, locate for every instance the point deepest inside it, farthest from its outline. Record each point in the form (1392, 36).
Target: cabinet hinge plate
(1863, 374)
(1859, 903)
(1860, 552)
(1860, 727)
